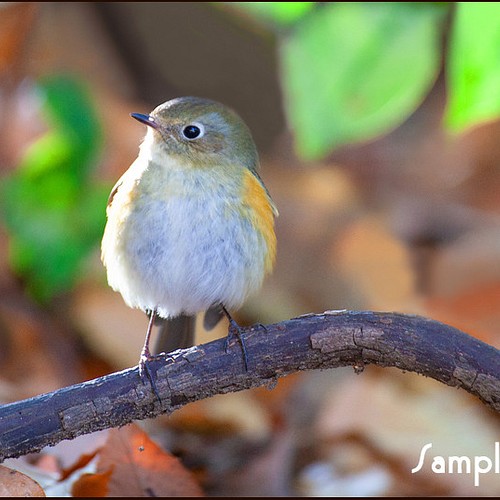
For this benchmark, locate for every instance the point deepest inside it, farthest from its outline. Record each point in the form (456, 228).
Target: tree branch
(329, 340)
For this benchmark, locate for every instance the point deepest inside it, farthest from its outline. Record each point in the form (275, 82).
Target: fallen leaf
(16, 484)
(83, 460)
(92, 485)
(142, 468)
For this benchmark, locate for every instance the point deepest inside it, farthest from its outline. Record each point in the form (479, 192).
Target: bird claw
(145, 372)
(235, 331)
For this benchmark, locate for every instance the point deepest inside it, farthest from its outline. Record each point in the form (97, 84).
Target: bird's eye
(193, 131)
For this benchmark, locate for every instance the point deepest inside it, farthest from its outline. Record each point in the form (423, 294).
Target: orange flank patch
(262, 213)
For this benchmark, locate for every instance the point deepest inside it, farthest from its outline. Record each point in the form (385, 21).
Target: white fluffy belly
(183, 254)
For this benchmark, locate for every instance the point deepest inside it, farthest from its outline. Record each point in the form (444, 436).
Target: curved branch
(329, 340)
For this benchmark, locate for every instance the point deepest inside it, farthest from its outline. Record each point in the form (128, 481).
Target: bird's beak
(146, 119)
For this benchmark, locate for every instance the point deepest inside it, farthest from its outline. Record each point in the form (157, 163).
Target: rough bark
(328, 340)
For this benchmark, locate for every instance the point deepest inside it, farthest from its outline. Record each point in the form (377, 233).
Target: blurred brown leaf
(16, 20)
(16, 484)
(41, 340)
(475, 311)
(141, 468)
(376, 264)
(108, 326)
(92, 485)
(82, 461)
(225, 415)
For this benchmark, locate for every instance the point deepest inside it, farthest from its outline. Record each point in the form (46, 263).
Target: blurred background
(386, 174)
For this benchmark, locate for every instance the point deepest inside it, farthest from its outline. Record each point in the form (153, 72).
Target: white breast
(182, 245)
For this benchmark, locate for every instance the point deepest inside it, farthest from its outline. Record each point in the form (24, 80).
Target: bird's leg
(235, 331)
(146, 356)
(145, 353)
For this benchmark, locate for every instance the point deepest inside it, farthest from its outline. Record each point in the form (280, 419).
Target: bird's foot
(236, 331)
(145, 372)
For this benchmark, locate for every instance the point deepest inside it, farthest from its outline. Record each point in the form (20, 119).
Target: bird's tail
(179, 332)
(175, 333)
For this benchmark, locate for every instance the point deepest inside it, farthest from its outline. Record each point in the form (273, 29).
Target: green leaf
(353, 71)
(473, 66)
(54, 212)
(52, 229)
(281, 13)
(71, 113)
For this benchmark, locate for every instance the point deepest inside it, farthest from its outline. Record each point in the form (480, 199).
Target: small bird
(190, 225)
